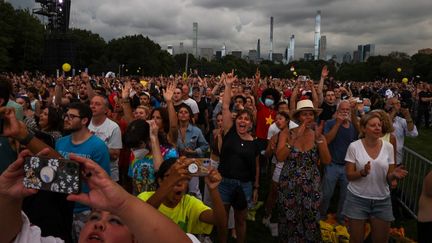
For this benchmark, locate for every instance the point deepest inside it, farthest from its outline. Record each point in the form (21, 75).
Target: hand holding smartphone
(50, 174)
(198, 166)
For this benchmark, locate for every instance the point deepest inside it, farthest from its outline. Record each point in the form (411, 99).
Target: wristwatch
(26, 140)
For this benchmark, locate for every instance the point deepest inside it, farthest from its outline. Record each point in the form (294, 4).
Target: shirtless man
(424, 224)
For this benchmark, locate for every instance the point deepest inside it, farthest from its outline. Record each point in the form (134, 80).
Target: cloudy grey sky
(392, 25)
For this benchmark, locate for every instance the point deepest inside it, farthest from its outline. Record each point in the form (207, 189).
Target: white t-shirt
(373, 186)
(32, 234)
(110, 133)
(273, 129)
(192, 104)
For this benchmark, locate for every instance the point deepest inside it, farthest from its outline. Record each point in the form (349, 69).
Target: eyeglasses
(70, 116)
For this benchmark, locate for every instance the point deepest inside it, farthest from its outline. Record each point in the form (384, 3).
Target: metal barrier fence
(411, 186)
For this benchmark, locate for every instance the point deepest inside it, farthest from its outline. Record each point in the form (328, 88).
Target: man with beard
(83, 143)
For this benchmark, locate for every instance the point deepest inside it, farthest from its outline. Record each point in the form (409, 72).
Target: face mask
(366, 109)
(268, 102)
(140, 153)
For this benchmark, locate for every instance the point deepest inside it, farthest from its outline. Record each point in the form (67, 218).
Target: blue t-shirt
(339, 146)
(93, 148)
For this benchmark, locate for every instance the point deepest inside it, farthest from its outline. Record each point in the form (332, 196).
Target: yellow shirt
(185, 214)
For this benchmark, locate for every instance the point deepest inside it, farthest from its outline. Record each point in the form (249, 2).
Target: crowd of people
(140, 139)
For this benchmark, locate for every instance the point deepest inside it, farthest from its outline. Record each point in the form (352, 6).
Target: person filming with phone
(116, 216)
(190, 213)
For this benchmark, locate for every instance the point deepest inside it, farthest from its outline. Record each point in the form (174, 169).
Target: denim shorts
(228, 188)
(356, 207)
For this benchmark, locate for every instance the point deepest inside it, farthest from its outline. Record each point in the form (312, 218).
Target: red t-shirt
(265, 117)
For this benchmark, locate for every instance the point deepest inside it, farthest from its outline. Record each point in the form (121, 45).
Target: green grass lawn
(257, 232)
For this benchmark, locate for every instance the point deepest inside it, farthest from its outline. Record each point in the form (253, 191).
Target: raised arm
(315, 98)
(256, 83)
(86, 78)
(173, 129)
(12, 191)
(155, 147)
(324, 74)
(293, 98)
(226, 113)
(145, 222)
(125, 102)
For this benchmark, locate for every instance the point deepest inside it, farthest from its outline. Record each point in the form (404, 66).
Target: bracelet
(319, 141)
(26, 140)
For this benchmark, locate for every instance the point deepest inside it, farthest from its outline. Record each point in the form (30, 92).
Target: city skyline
(392, 25)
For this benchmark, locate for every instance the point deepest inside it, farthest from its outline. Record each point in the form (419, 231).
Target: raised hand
(169, 92)
(213, 179)
(11, 180)
(126, 90)
(230, 78)
(11, 127)
(104, 194)
(154, 129)
(324, 72)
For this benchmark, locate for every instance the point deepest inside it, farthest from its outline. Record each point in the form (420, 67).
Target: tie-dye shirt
(142, 171)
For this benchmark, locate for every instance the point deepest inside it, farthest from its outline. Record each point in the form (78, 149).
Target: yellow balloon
(404, 80)
(66, 67)
(399, 70)
(295, 73)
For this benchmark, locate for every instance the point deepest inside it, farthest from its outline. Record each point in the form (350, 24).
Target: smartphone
(199, 166)
(303, 78)
(50, 174)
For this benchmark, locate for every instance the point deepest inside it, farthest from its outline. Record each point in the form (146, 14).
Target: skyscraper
(323, 48)
(271, 39)
(258, 49)
(252, 56)
(360, 53)
(195, 39)
(291, 49)
(181, 48)
(223, 50)
(368, 51)
(317, 35)
(346, 58)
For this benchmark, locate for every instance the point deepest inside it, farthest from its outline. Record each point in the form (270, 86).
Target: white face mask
(140, 153)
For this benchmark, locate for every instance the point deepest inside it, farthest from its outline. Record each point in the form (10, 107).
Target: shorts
(231, 193)
(277, 171)
(356, 207)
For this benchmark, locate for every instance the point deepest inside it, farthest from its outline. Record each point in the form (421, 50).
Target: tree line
(22, 48)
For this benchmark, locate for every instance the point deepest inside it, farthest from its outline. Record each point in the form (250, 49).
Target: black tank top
(237, 160)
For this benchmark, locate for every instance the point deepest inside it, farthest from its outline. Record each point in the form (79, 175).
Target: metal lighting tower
(57, 12)
(317, 35)
(258, 49)
(271, 39)
(195, 39)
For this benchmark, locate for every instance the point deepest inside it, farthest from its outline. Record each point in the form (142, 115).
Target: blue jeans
(333, 173)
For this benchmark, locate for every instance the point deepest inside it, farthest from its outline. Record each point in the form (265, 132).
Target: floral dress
(299, 197)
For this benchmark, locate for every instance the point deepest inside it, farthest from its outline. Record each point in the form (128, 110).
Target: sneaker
(266, 221)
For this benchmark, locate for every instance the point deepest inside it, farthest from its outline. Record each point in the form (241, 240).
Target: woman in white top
(370, 168)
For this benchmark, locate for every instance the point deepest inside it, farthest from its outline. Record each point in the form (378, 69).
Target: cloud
(392, 25)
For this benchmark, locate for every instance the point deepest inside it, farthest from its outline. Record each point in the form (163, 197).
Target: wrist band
(26, 140)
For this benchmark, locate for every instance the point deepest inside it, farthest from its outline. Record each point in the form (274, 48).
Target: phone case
(199, 167)
(49, 174)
